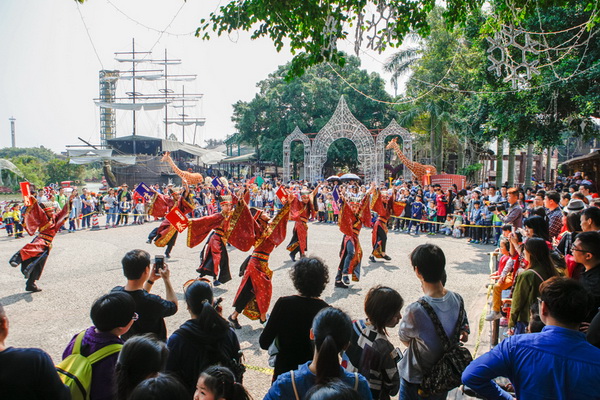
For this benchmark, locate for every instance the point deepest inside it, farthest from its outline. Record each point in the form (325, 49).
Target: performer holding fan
(33, 256)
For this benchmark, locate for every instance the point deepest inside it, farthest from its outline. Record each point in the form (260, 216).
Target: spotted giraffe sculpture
(191, 178)
(418, 170)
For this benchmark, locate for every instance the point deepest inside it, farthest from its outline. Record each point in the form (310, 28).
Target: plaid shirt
(555, 223)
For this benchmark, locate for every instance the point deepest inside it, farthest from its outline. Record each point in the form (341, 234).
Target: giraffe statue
(191, 178)
(418, 170)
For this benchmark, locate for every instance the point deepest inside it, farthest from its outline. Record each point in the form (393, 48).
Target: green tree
(41, 153)
(33, 169)
(60, 170)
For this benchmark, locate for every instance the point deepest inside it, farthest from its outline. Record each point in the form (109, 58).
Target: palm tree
(399, 64)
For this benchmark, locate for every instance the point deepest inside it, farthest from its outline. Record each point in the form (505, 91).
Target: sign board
(177, 219)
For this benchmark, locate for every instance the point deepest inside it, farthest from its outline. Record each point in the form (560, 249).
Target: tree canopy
(311, 28)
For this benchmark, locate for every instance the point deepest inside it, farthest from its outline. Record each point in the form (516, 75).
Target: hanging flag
(143, 190)
(177, 219)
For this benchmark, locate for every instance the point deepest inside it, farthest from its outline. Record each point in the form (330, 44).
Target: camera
(497, 207)
(159, 263)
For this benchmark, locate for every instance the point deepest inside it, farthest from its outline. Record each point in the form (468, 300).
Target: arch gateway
(343, 124)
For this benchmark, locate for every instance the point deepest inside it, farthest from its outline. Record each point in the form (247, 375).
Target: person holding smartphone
(141, 275)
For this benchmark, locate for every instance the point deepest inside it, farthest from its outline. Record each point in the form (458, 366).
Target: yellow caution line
(262, 370)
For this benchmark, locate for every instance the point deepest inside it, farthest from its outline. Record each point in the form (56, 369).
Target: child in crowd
(112, 316)
(336, 210)
(329, 209)
(475, 218)
(138, 213)
(505, 276)
(417, 209)
(124, 209)
(321, 209)
(7, 219)
(218, 382)
(446, 228)
(458, 230)
(431, 217)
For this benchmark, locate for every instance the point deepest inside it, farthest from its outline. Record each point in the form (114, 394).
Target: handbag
(447, 372)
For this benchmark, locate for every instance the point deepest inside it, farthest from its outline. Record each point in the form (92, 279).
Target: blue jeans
(410, 391)
(111, 215)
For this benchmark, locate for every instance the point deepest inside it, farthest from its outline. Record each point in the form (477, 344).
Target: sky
(52, 51)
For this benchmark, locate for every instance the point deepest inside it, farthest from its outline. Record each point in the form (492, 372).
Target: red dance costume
(300, 212)
(214, 260)
(380, 229)
(166, 233)
(254, 294)
(351, 223)
(33, 256)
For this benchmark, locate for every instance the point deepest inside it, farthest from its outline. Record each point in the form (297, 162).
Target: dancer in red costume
(33, 256)
(254, 294)
(354, 214)
(166, 234)
(382, 204)
(300, 212)
(214, 260)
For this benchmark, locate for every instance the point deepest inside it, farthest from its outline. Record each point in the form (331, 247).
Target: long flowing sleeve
(35, 218)
(199, 228)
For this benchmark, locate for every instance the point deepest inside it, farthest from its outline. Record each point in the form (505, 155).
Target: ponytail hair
(220, 381)
(199, 299)
(332, 329)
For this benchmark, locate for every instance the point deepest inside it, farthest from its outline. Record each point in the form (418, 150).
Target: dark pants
(244, 297)
(345, 264)
(32, 267)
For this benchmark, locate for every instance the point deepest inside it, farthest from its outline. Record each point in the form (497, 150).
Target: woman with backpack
(331, 331)
(204, 340)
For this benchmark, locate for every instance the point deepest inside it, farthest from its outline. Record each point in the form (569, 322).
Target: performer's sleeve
(278, 226)
(296, 209)
(346, 218)
(63, 214)
(377, 203)
(159, 206)
(34, 217)
(242, 227)
(365, 212)
(199, 228)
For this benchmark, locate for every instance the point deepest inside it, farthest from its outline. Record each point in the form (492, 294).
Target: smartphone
(159, 263)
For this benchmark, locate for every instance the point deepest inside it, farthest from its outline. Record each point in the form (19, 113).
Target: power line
(88, 35)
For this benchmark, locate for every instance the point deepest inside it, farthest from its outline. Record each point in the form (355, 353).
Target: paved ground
(86, 264)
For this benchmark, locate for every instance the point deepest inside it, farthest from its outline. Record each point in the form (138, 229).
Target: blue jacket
(417, 209)
(305, 379)
(557, 363)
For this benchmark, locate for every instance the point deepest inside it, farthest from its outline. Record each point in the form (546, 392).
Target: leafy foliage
(311, 27)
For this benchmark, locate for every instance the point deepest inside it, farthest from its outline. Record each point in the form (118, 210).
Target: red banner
(446, 181)
(177, 219)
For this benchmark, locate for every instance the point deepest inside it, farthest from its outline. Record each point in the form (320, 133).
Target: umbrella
(258, 180)
(333, 178)
(350, 177)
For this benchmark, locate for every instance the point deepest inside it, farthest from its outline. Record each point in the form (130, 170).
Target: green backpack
(75, 371)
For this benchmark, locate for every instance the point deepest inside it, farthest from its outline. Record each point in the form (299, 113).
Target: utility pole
(12, 131)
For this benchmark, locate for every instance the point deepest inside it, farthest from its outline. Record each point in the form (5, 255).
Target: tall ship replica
(149, 87)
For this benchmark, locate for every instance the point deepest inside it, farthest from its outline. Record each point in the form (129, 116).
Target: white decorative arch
(296, 135)
(343, 124)
(392, 129)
